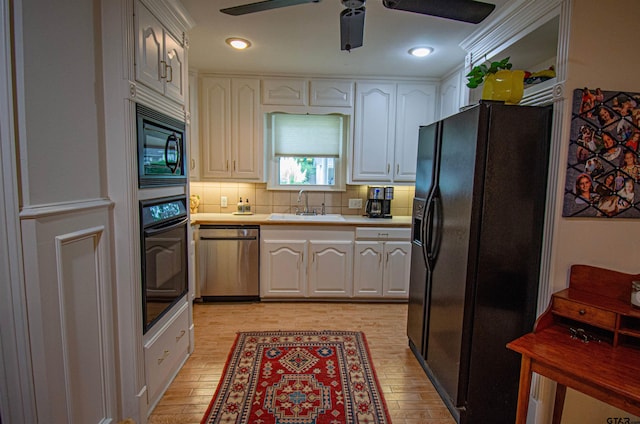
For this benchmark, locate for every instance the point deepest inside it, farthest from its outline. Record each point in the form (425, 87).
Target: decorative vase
(504, 85)
(194, 202)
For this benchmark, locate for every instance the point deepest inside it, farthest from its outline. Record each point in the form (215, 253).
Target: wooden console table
(588, 339)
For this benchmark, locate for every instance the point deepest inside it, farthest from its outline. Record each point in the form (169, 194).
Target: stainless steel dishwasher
(229, 259)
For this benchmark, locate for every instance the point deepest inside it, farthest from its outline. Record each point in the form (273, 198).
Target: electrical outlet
(223, 201)
(355, 203)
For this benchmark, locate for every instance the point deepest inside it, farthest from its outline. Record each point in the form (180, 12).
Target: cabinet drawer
(166, 351)
(382, 233)
(584, 313)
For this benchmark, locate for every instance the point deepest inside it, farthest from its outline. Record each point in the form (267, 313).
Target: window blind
(307, 135)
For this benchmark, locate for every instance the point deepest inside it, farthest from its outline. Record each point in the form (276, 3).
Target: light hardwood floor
(409, 394)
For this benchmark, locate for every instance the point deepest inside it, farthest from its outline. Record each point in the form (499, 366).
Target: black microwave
(161, 143)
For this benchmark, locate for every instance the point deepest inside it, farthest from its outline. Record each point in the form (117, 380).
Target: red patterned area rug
(298, 377)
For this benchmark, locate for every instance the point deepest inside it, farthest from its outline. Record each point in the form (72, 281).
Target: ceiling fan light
(420, 51)
(238, 43)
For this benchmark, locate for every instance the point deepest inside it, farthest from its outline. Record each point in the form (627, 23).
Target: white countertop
(263, 219)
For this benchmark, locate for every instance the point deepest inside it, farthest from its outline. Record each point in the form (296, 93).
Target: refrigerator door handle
(436, 226)
(429, 234)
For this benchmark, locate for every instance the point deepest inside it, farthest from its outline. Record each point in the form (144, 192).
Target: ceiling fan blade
(263, 5)
(459, 10)
(351, 28)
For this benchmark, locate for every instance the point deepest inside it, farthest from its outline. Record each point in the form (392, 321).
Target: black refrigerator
(478, 217)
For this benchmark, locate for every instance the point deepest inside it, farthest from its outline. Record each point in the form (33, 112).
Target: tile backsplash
(270, 201)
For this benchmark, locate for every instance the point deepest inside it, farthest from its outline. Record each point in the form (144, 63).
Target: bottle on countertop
(247, 206)
(240, 206)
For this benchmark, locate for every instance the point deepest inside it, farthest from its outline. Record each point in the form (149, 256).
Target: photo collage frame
(603, 166)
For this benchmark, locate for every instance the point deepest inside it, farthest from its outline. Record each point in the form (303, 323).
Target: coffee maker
(379, 202)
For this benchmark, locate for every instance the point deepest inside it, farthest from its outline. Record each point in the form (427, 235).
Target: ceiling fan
(352, 17)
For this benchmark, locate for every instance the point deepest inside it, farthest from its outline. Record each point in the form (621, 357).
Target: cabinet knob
(582, 312)
(163, 357)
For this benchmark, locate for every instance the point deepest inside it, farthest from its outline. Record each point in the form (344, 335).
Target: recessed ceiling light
(420, 51)
(238, 43)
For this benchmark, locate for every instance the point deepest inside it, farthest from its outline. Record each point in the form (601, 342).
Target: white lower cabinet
(330, 268)
(382, 263)
(282, 267)
(165, 352)
(306, 262)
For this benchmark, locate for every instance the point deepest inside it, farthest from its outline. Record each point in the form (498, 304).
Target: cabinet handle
(193, 164)
(582, 312)
(234, 165)
(163, 357)
(386, 261)
(181, 335)
(170, 78)
(388, 167)
(379, 258)
(397, 169)
(227, 166)
(163, 71)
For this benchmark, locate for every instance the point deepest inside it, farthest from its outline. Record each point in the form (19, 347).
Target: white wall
(600, 55)
(60, 132)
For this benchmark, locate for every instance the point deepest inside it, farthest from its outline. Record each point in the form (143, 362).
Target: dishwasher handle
(229, 238)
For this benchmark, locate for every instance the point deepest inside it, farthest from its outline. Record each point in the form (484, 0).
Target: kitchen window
(306, 151)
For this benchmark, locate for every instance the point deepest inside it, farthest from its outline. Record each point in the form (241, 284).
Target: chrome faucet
(305, 211)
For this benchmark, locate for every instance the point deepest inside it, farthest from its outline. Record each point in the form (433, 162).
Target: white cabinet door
(367, 269)
(330, 268)
(416, 106)
(215, 127)
(246, 129)
(291, 92)
(149, 49)
(194, 128)
(175, 70)
(160, 57)
(397, 266)
(331, 93)
(231, 129)
(283, 268)
(451, 95)
(374, 131)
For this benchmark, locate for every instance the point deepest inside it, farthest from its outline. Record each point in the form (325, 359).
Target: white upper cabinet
(194, 129)
(331, 93)
(160, 57)
(416, 106)
(305, 92)
(291, 92)
(231, 129)
(387, 118)
(451, 95)
(374, 131)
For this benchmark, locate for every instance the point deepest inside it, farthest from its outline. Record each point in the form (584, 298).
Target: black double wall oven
(164, 220)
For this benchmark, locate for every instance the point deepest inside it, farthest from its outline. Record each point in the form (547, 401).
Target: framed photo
(603, 166)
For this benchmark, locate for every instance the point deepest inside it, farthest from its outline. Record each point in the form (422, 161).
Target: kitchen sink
(306, 218)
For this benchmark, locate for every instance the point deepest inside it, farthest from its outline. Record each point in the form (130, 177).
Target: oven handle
(153, 231)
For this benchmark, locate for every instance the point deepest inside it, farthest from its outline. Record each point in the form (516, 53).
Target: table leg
(523, 390)
(558, 406)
